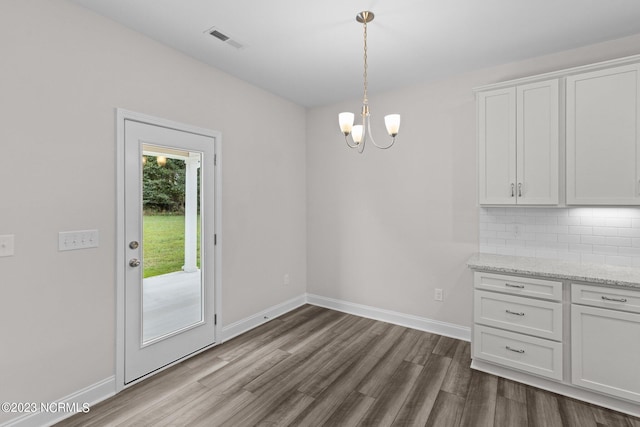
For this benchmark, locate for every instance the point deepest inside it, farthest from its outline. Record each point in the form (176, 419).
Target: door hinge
(215, 160)
(215, 319)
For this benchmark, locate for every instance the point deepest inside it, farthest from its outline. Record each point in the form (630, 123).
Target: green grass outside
(163, 244)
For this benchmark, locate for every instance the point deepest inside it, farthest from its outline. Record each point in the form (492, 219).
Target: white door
(169, 237)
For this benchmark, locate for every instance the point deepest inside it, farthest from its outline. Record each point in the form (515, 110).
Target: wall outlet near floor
(71, 240)
(438, 295)
(7, 245)
(286, 280)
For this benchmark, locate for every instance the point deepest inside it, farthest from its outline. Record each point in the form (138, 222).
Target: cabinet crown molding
(627, 60)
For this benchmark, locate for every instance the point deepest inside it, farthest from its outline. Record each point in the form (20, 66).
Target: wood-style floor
(315, 366)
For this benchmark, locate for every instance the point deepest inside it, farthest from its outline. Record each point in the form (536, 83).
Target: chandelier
(360, 133)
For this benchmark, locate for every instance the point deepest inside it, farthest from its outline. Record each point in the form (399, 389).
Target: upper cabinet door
(537, 143)
(497, 147)
(603, 114)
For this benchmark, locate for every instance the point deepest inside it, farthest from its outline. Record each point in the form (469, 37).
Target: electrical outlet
(72, 240)
(6, 245)
(286, 280)
(438, 295)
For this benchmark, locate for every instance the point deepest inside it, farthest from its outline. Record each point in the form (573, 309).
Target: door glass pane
(172, 295)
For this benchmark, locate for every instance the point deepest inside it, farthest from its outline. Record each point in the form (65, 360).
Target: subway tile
(525, 252)
(605, 250)
(580, 230)
(635, 222)
(545, 253)
(496, 227)
(558, 229)
(605, 212)
(504, 250)
(629, 232)
(580, 247)
(515, 243)
(488, 234)
(546, 237)
(546, 220)
(496, 242)
(569, 220)
(624, 261)
(605, 231)
(580, 212)
(593, 240)
(592, 258)
(635, 242)
(538, 228)
(570, 238)
(485, 249)
(618, 222)
(506, 235)
(569, 256)
(593, 221)
(558, 246)
(635, 252)
(619, 241)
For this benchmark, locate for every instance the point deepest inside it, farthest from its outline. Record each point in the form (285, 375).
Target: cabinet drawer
(526, 315)
(601, 296)
(537, 288)
(534, 355)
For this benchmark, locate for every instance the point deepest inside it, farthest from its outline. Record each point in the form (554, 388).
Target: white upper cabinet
(602, 137)
(518, 132)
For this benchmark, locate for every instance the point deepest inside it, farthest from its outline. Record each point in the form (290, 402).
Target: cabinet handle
(614, 299)
(514, 350)
(519, 189)
(509, 285)
(513, 190)
(516, 313)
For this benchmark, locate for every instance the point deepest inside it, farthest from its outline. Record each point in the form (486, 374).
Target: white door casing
(134, 358)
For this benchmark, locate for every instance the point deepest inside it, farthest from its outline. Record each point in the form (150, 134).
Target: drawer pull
(614, 299)
(516, 313)
(514, 350)
(509, 285)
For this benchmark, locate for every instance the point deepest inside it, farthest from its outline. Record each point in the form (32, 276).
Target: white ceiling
(311, 52)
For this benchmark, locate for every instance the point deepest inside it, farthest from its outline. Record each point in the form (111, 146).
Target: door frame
(121, 116)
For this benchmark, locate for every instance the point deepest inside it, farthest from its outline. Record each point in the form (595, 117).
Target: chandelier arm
(393, 141)
(347, 141)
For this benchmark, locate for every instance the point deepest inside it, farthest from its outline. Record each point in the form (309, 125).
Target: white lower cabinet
(583, 337)
(512, 328)
(605, 342)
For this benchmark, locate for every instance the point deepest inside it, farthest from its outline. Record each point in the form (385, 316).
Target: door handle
(134, 262)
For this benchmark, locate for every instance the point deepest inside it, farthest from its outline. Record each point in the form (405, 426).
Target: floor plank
(315, 366)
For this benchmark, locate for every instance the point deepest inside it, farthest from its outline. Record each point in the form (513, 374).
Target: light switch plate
(7, 245)
(72, 240)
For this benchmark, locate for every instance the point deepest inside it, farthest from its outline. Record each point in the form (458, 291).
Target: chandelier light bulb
(356, 133)
(346, 122)
(392, 122)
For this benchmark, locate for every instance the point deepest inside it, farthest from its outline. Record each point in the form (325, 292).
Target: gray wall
(386, 228)
(63, 71)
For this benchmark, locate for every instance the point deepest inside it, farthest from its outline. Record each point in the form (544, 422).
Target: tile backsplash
(588, 235)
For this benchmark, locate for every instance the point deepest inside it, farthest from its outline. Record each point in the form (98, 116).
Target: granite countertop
(557, 269)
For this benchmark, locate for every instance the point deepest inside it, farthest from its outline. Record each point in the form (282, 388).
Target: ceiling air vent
(224, 38)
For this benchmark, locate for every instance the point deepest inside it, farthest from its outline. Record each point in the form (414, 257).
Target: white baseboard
(91, 395)
(248, 323)
(397, 318)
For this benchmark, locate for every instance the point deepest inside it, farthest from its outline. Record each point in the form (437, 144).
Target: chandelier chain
(365, 100)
